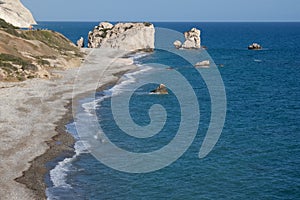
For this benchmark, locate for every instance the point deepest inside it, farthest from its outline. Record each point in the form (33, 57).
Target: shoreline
(28, 180)
(61, 145)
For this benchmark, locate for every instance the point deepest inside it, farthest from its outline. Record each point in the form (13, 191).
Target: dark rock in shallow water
(161, 89)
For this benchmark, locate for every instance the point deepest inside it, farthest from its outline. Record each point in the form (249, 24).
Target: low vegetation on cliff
(28, 54)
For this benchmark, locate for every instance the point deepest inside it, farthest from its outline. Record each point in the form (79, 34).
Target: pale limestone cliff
(15, 13)
(124, 36)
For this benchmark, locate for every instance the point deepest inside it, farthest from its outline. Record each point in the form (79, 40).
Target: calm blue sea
(258, 153)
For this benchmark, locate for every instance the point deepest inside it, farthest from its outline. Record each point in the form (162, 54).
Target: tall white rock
(124, 36)
(15, 13)
(192, 39)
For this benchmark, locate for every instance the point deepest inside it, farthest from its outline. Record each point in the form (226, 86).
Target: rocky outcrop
(177, 44)
(14, 12)
(161, 89)
(254, 46)
(80, 43)
(192, 39)
(124, 36)
(203, 64)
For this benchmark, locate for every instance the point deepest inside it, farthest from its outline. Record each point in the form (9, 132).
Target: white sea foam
(59, 173)
(89, 107)
(139, 55)
(128, 79)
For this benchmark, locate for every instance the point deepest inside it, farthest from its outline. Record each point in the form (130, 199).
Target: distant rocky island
(13, 12)
(123, 36)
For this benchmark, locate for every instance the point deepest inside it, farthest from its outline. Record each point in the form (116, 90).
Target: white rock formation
(105, 25)
(80, 43)
(203, 64)
(124, 36)
(14, 12)
(193, 40)
(255, 46)
(177, 44)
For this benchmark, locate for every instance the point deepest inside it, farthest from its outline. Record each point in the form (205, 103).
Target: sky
(164, 10)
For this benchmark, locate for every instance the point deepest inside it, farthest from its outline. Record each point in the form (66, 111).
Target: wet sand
(33, 115)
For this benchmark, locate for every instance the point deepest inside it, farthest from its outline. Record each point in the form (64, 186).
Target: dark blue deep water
(258, 153)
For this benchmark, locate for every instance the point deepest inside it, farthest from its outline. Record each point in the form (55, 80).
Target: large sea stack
(123, 36)
(192, 39)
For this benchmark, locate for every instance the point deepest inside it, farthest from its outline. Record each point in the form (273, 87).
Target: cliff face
(124, 36)
(14, 12)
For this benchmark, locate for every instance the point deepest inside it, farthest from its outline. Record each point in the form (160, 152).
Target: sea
(257, 153)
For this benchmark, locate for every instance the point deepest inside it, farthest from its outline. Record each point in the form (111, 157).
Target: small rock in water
(203, 64)
(161, 89)
(177, 44)
(255, 46)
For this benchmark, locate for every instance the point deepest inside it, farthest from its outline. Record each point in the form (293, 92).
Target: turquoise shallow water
(258, 153)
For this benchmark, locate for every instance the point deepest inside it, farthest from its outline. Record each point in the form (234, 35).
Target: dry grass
(32, 48)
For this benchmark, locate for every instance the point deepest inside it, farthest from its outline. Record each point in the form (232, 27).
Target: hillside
(26, 54)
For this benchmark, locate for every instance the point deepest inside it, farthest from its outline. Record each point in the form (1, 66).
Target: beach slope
(32, 110)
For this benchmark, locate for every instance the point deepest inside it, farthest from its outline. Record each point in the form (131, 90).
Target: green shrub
(29, 67)
(147, 23)
(4, 24)
(9, 28)
(51, 39)
(13, 59)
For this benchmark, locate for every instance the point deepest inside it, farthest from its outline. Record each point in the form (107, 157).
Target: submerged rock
(255, 46)
(161, 89)
(124, 36)
(192, 39)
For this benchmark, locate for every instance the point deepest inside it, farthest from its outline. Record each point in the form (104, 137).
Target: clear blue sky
(164, 10)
